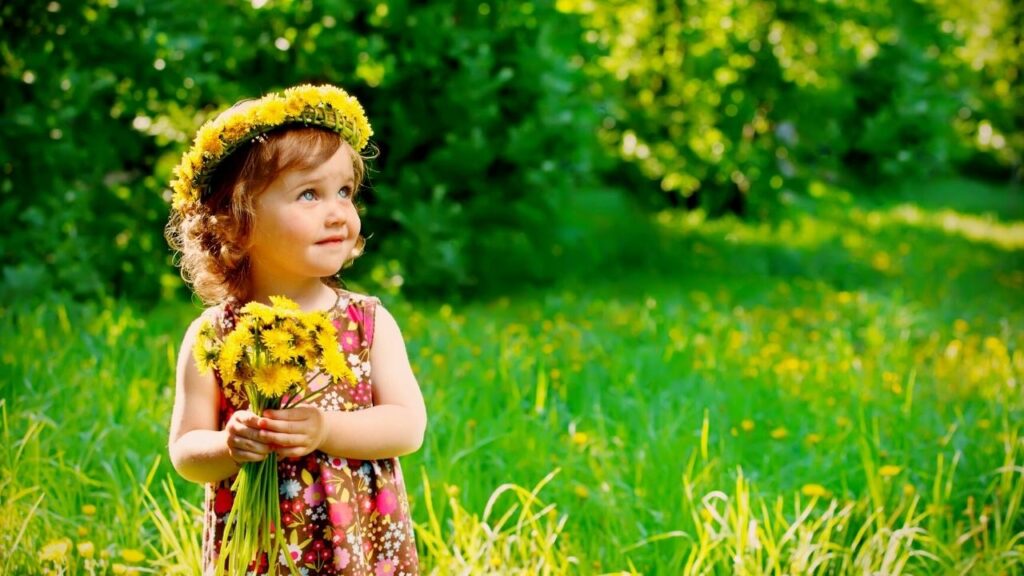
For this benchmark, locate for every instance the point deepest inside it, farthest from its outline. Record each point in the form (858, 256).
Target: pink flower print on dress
(386, 502)
(336, 462)
(386, 567)
(341, 558)
(341, 514)
(349, 341)
(314, 495)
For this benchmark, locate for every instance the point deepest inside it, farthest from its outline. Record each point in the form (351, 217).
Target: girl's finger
(281, 439)
(280, 426)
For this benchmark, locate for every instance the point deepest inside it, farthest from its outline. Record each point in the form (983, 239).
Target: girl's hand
(294, 432)
(244, 443)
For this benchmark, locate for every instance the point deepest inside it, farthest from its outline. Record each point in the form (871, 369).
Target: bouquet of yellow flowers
(274, 354)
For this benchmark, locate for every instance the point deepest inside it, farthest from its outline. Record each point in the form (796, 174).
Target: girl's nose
(336, 212)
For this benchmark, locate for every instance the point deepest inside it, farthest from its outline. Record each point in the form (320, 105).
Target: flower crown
(324, 106)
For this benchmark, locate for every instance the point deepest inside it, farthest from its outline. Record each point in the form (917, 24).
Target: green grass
(837, 392)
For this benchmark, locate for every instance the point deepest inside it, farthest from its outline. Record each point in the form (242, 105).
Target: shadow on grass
(929, 251)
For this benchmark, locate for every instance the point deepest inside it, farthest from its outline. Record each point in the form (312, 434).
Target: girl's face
(306, 224)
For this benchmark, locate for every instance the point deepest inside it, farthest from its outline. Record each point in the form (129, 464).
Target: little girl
(263, 204)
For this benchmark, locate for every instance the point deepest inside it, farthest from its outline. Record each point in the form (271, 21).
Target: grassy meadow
(837, 392)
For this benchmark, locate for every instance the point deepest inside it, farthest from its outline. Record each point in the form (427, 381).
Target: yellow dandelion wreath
(323, 106)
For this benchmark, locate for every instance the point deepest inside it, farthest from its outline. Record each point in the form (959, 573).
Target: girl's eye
(308, 194)
(345, 192)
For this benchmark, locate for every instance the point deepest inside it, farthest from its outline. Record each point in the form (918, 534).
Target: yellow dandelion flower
(279, 343)
(336, 367)
(181, 196)
(318, 322)
(909, 489)
(89, 510)
(747, 424)
(132, 556)
(814, 491)
(579, 438)
(119, 568)
(184, 171)
(55, 551)
(208, 142)
(205, 350)
(274, 380)
(581, 491)
(283, 303)
(779, 433)
(305, 352)
(231, 353)
(889, 470)
(272, 111)
(327, 340)
(236, 126)
(86, 549)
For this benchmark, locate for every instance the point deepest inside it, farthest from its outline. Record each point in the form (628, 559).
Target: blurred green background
(496, 121)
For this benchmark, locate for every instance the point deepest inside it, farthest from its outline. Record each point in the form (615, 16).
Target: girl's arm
(200, 450)
(393, 427)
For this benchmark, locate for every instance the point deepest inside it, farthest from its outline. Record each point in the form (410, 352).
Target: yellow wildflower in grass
(813, 438)
(132, 556)
(579, 438)
(747, 424)
(581, 491)
(89, 509)
(779, 433)
(815, 491)
(119, 568)
(86, 549)
(55, 551)
(889, 470)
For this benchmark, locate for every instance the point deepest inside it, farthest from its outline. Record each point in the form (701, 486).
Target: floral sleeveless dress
(340, 516)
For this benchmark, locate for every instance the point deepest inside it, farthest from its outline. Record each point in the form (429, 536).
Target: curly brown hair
(212, 243)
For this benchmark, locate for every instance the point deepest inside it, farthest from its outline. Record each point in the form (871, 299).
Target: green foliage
(489, 118)
(477, 112)
(726, 104)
